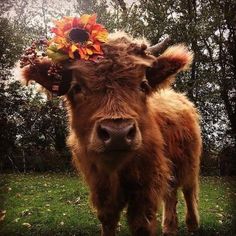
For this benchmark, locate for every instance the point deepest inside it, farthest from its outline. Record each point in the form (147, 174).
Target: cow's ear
(38, 72)
(175, 59)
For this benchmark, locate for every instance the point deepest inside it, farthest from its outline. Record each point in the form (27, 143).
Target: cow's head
(108, 99)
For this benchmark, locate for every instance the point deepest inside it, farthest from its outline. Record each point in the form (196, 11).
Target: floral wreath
(74, 39)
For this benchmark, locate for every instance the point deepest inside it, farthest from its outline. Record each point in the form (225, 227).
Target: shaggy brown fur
(130, 86)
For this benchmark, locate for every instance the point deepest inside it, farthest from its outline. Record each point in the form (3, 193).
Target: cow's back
(178, 120)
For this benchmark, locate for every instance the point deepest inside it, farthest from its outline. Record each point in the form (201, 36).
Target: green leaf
(55, 54)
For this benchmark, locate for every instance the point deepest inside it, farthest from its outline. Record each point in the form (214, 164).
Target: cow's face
(108, 107)
(108, 99)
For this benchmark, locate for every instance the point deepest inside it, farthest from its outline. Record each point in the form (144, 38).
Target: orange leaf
(97, 47)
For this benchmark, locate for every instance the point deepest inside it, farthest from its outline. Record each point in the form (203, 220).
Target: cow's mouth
(113, 160)
(117, 152)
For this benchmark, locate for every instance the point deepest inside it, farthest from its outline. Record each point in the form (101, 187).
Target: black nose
(117, 134)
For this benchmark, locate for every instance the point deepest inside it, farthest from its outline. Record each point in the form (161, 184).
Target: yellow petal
(89, 51)
(73, 48)
(71, 54)
(84, 19)
(102, 36)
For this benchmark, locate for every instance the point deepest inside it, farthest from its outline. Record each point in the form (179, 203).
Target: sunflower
(76, 38)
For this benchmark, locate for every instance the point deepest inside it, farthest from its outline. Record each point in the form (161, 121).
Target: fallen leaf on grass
(2, 215)
(219, 214)
(77, 200)
(28, 225)
(119, 226)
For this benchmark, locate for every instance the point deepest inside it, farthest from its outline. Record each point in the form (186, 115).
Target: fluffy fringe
(181, 54)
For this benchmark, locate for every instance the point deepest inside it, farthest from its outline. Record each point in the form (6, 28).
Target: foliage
(33, 129)
(11, 44)
(207, 27)
(58, 204)
(211, 82)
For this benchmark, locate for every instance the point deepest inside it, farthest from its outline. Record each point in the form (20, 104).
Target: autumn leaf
(2, 215)
(28, 225)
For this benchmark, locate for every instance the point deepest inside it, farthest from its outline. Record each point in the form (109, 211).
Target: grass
(57, 204)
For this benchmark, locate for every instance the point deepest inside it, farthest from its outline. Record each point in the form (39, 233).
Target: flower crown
(74, 39)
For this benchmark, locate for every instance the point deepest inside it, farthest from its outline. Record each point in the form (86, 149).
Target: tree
(207, 27)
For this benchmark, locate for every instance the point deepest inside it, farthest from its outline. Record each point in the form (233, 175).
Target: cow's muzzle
(118, 134)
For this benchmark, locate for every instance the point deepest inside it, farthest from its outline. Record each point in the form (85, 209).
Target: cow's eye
(145, 87)
(77, 89)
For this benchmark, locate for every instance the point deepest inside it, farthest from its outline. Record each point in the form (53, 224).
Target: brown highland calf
(135, 140)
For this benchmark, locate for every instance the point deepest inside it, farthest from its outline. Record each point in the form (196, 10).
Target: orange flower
(77, 37)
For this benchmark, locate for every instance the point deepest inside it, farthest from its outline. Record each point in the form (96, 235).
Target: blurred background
(33, 128)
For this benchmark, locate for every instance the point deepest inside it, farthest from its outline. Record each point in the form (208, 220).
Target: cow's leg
(191, 199)
(107, 198)
(141, 214)
(169, 217)
(109, 219)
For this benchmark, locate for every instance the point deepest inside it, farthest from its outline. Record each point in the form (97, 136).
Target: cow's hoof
(169, 233)
(192, 226)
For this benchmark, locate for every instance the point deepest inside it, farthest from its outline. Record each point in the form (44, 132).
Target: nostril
(131, 134)
(103, 134)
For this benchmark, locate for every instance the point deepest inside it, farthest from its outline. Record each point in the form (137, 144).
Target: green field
(47, 204)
